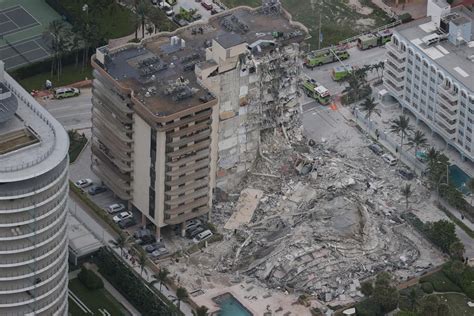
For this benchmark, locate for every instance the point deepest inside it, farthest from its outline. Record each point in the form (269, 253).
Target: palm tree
(162, 276)
(406, 192)
(55, 29)
(181, 294)
(369, 107)
(121, 242)
(401, 126)
(141, 10)
(417, 140)
(412, 298)
(142, 260)
(201, 311)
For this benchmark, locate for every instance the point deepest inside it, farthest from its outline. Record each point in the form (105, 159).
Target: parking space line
(30, 14)
(28, 51)
(12, 8)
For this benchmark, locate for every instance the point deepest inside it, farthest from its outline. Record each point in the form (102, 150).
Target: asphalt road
(72, 113)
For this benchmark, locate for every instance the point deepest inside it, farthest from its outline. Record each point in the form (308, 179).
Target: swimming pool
(459, 178)
(230, 306)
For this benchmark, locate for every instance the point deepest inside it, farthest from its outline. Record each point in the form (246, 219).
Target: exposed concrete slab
(248, 202)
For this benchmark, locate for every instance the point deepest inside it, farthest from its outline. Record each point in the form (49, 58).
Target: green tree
(142, 9)
(401, 126)
(367, 288)
(385, 294)
(456, 250)
(162, 276)
(470, 186)
(142, 260)
(57, 31)
(430, 305)
(417, 140)
(443, 234)
(122, 241)
(181, 294)
(412, 299)
(369, 107)
(201, 311)
(406, 193)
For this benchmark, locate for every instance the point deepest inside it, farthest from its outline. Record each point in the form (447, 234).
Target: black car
(152, 247)
(146, 240)
(97, 189)
(126, 223)
(376, 149)
(406, 174)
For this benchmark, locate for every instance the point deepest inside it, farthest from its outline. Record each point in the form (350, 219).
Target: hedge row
(146, 300)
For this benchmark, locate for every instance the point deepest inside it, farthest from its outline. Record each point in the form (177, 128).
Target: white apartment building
(429, 69)
(33, 205)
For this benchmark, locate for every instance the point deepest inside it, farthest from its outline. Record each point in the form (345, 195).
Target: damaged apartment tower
(180, 114)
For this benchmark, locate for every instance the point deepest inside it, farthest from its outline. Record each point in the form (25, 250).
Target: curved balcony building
(33, 205)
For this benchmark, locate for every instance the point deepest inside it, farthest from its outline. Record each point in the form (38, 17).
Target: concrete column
(143, 220)
(158, 233)
(183, 229)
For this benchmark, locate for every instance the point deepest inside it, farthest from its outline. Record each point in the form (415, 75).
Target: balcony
(448, 93)
(396, 92)
(442, 99)
(98, 103)
(397, 80)
(185, 160)
(400, 63)
(124, 157)
(198, 136)
(188, 207)
(108, 96)
(119, 186)
(188, 197)
(450, 123)
(184, 131)
(394, 68)
(189, 149)
(188, 178)
(187, 188)
(449, 113)
(188, 168)
(445, 131)
(122, 134)
(394, 52)
(111, 142)
(193, 213)
(110, 160)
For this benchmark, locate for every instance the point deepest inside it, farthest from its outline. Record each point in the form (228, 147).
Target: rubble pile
(325, 222)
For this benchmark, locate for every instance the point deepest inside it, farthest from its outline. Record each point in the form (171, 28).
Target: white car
(84, 183)
(392, 161)
(122, 216)
(115, 208)
(202, 236)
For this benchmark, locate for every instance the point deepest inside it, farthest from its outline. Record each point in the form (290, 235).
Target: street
(72, 113)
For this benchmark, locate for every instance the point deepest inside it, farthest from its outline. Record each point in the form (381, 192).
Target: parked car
(192, 222)
(193, 233)
(392, 161)
(122, 216)
(126, 223)
(84, 183)
(207, 4)
(376, 149)
(97, 189)
(159, 253)
(406, 174)
(146, 240)
(169, 11)
(152, 247)
(202, 236)
(115, 208)
(61, 93)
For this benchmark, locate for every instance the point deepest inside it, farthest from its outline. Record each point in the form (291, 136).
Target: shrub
(427, 287)
(440, 282)
(145, 299)
(405, 17)
(90, 279)
(368, 307)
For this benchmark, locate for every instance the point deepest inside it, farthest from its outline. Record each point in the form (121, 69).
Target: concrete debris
(323, 224)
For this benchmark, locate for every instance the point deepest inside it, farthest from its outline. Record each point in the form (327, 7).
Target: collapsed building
(181, 113)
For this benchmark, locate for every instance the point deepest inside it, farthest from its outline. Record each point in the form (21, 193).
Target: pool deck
(255, 299)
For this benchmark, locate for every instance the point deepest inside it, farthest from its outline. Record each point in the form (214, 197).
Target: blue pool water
(459, 178)
(230, 306)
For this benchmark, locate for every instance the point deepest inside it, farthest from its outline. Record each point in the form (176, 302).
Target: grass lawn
(338, 20)
(457, 304)
(70, 75)
(95, 300)
(441, 283)
(76, 144)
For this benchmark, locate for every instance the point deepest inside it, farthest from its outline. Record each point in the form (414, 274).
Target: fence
(388, 142)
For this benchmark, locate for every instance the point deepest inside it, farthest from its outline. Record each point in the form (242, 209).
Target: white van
(202, 236)
(392, 161)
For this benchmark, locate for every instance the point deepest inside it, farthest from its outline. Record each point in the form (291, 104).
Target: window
(424, 83)
(433, 80)
(151, 202)
(432, 89)
(417, 68)
(468, 139)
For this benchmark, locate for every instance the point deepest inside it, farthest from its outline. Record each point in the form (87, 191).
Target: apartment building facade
(429, 70)
(33, 205)
(176, 116)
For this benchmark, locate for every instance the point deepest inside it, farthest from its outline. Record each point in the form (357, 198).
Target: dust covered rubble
(326, 221)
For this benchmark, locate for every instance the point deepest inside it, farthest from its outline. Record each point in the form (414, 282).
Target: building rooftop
(81, 241)
(32, 142)
(457, 60)
(160, 70)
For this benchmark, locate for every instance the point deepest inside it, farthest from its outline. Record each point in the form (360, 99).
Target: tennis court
(22, 31)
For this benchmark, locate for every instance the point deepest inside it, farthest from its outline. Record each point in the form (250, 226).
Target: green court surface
(22, 25)
(83, 301)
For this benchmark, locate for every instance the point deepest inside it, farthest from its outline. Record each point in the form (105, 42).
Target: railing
(381, 28)
(51, 180)
(26, 98)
